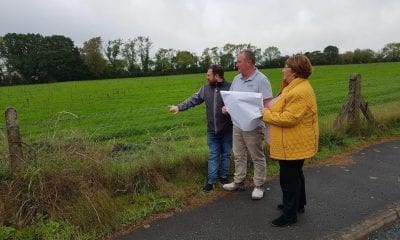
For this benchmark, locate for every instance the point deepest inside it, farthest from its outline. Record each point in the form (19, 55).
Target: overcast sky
(193, 25)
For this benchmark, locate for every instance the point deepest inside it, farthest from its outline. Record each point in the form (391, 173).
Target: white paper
(244, 108)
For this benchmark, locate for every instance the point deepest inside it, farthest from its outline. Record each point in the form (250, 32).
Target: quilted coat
(293, 121)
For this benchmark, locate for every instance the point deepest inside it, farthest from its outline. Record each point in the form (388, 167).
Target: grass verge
(73, 187)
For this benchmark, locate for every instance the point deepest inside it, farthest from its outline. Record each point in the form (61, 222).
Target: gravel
(391, 232)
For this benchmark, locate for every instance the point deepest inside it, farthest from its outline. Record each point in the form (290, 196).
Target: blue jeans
(220, 147)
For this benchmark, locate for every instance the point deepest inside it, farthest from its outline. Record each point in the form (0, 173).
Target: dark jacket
(217, 122)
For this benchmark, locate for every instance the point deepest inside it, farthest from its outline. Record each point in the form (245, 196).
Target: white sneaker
(258, 193)
(232, 186)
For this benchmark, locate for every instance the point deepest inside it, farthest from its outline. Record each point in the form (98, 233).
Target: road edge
(373, 223)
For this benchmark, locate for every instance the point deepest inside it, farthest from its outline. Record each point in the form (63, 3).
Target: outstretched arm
(192, 101)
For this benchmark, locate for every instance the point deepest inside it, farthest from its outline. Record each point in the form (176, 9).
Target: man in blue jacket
(219, 125)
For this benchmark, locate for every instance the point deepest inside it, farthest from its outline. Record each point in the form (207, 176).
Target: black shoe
(223, 180)
(208, 187)
(282, 221)
(300, 210)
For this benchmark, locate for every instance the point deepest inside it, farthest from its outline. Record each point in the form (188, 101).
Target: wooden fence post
(14, 138)
(353, 105)
(353, 116)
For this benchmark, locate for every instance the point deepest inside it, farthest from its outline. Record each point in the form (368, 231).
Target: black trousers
(293, 187)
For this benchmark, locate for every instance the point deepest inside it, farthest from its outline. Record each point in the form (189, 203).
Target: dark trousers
(292, 185)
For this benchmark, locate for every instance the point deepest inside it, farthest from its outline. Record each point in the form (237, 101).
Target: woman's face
(288, 74)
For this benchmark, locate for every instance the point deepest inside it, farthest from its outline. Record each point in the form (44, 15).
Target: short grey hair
(249, 55)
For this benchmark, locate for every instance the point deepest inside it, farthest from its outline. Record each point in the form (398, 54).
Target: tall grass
(87, 189)
(102, 155)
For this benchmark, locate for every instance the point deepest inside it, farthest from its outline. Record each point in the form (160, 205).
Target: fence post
(353, 116)
(14, 138)
(353, 105)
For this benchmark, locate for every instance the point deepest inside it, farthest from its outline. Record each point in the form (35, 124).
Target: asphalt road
(339, 198)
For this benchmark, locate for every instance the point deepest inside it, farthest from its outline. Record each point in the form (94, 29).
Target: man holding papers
(248, 128)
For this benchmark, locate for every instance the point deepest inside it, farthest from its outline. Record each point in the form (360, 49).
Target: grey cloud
(193, 25)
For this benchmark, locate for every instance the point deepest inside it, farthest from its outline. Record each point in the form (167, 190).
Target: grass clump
(74, 188)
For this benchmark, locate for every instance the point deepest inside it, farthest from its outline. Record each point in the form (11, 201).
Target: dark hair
(300, 65)
(217, 70)
(249, 55)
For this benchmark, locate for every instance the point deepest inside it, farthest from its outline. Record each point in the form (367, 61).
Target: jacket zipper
(215, 110)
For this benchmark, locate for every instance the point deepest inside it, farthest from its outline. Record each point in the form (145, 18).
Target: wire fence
(136, 112)
(139, 125)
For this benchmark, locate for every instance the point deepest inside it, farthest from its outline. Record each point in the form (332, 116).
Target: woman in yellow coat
(293, 123)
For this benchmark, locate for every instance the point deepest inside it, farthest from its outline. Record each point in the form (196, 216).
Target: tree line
(33, 58)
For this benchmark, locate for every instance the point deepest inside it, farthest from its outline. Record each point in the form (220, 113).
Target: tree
(21, 53)
(93, 57)
(2, 69)
(164, 60)
(227, 61)
(379, 56)
(230, 51)
(130, 56)
(391, 52)
(316, 57)
(331, 54)
(2, 64)
(347, 57)
(61, 60)
(209, 57)
(186, 61)
(363, 56)
(215, 55)
(258, 56)
(205, 59)
(271, 55)
(113, 53)
(230, 48)
(234, 49)
(281, 61)
(143, 51)
(39, 59)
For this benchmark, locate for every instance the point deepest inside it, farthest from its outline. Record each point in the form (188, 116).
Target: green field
(101, 156)
(135, 110)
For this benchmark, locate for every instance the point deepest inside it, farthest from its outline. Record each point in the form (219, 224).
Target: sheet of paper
(244, 108)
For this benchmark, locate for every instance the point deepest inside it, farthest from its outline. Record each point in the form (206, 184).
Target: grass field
(135, 110)
(104, 155)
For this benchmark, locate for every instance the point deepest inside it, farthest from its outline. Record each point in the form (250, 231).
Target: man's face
(211, 77)
(241, 63)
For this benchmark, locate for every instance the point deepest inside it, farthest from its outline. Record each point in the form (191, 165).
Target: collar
(218, 83)
(252, 76)
(294, 83)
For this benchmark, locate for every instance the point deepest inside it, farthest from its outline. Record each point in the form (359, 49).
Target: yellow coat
(293, 122)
